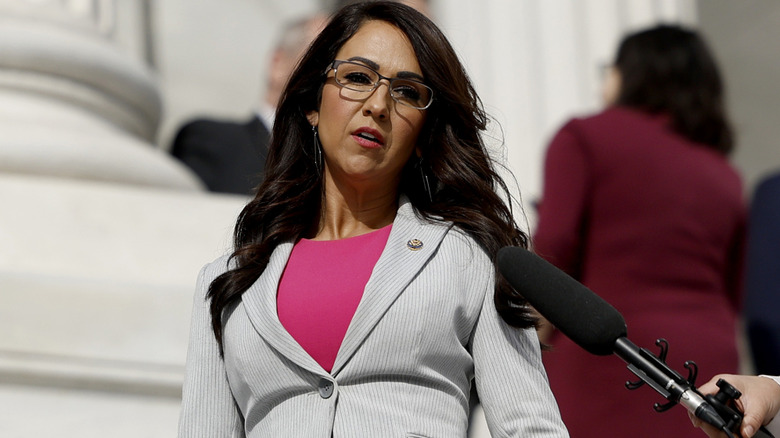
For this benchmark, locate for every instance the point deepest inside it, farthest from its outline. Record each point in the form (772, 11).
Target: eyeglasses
(358, 77)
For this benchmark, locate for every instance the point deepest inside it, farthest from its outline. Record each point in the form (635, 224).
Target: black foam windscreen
(572, 308)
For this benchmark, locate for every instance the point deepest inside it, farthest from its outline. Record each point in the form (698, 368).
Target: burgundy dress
(654, 224)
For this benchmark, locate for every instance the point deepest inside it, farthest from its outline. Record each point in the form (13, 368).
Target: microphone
(600, 329)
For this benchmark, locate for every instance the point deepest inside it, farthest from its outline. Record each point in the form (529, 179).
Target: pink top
(321, 288)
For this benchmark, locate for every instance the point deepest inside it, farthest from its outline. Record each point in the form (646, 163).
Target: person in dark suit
(762, 281)
(229, 156)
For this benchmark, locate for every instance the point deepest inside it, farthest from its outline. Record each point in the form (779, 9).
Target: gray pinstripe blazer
(425, 327)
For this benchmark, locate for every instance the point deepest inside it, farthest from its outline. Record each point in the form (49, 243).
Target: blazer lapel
(260, 304)
(400, 262)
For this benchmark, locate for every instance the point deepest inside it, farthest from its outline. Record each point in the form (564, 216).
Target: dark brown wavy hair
(466, 185)
(669, 69)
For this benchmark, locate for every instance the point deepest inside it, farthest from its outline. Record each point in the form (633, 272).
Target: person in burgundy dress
(641, 204)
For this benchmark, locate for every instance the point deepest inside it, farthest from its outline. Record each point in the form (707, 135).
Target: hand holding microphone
(600, 329)
(760, 402)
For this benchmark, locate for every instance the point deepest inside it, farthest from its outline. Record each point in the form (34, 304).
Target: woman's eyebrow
(409, 75)
(365, 61)
(375, 66)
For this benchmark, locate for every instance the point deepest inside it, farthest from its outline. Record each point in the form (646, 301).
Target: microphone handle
(666, 381)
(650, 369)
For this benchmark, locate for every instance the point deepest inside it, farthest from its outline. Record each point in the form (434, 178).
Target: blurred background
(102, 233)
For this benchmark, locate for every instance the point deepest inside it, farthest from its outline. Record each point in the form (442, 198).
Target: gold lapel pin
(414, 244)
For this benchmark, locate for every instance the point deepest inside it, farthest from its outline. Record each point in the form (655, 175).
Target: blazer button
(325, 388)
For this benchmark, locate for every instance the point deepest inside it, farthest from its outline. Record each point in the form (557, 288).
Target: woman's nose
(378, 102)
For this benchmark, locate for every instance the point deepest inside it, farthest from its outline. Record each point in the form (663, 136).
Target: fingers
(711, 387)
(708, 429)
(750, 424)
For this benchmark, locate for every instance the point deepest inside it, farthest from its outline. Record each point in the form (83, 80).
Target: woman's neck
(349, 213)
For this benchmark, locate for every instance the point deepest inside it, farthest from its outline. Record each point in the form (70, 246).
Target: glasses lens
(410, 93)
(358, 77)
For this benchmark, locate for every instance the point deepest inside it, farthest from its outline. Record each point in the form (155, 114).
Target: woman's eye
(407, 91)
(358, 78)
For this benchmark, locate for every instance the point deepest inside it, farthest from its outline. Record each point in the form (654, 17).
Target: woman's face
(368, 137)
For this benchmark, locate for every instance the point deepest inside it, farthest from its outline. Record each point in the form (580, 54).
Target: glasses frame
(335, 65)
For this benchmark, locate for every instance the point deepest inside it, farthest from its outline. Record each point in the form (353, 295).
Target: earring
(424, 178)
(317, 151)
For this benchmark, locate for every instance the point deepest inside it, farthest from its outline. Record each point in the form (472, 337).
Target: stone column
(102, 234)
(77, 96)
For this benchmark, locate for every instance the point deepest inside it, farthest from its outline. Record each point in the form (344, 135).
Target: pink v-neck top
(321, 288)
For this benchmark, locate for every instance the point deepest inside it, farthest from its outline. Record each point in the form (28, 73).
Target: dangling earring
(317, 151)
(424, 178)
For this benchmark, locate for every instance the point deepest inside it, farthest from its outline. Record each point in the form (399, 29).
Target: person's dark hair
(288, 202)
(669, 69)
(338, 4)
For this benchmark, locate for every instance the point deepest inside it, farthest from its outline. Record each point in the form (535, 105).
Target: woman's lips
(367, 137)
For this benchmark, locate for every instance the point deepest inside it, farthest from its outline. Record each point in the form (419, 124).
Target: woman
(361, 299)
(641, 205)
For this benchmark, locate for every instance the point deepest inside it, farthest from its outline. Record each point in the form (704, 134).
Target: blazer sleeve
(208, 408)
(510, 379)
(567, 179)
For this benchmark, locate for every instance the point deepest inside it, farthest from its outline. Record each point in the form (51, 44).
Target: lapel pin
(414, 244)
